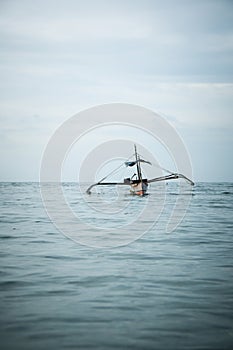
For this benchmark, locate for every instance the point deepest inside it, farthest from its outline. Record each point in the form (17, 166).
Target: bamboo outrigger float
(138, 184)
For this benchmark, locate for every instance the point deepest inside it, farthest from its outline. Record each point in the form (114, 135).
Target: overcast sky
(60, 57)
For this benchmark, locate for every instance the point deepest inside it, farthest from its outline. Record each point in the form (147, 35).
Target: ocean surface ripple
(162, 291)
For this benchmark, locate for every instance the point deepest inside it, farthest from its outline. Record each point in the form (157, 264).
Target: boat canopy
(132, 163)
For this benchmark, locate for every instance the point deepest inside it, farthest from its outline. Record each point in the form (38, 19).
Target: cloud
(74, 30)
(67, 25)
(188, 39)
(59, 57)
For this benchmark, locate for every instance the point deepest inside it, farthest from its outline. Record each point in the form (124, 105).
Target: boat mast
(138, 164)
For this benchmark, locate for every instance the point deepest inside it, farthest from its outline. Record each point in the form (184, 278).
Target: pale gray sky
(59, 57)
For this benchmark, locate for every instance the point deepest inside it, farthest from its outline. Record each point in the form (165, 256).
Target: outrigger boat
(138, 184)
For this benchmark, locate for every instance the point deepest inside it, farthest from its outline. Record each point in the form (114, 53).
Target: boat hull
(139, 189)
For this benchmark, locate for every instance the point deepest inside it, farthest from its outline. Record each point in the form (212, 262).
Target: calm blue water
(162, 291)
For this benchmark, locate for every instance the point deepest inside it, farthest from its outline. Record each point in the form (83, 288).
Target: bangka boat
(138, 184)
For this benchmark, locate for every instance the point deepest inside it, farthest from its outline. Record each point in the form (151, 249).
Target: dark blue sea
(159, 291)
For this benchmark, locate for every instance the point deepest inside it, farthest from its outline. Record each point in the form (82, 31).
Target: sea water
(159, 291)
